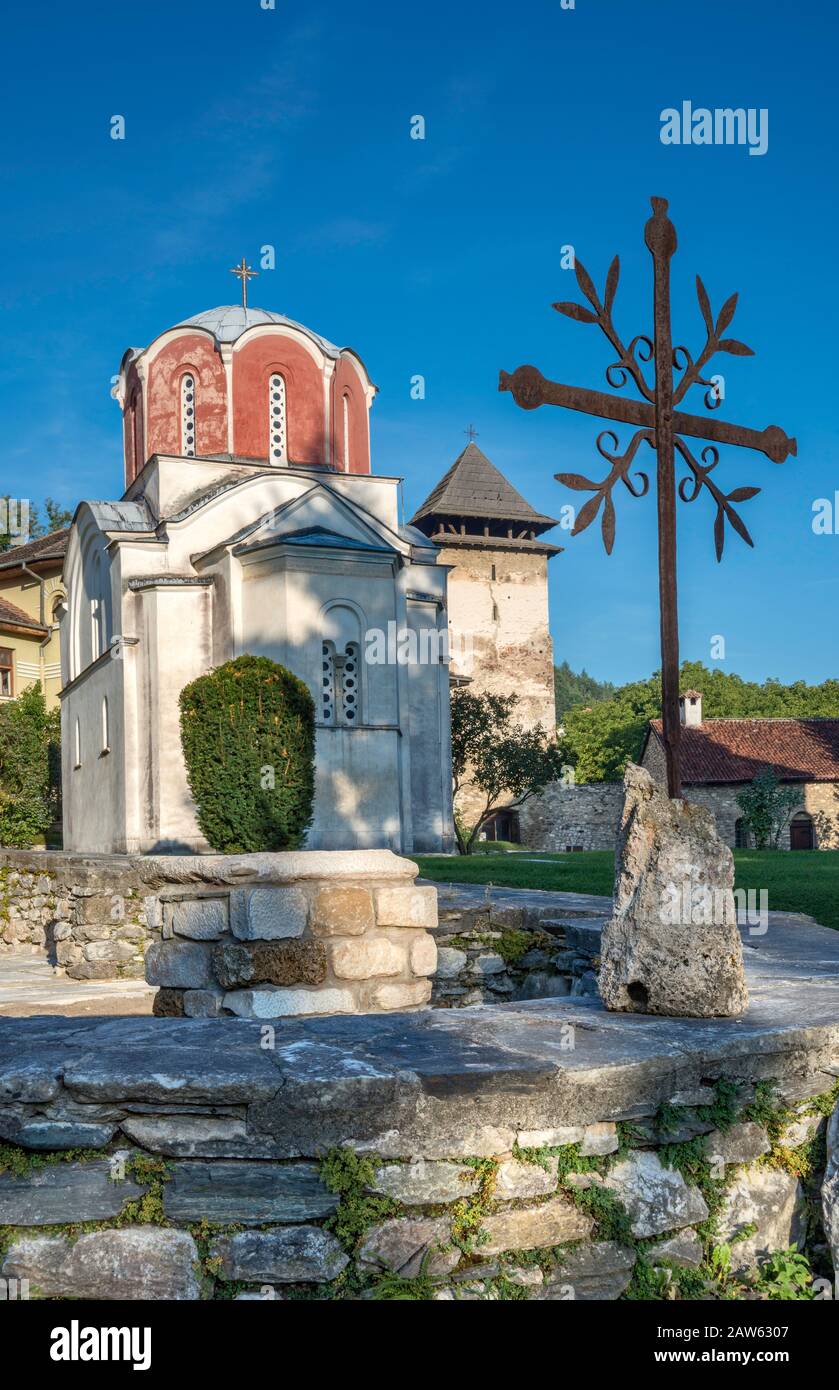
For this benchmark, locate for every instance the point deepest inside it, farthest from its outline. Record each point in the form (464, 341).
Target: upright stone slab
(672, 946)
(830, 1189)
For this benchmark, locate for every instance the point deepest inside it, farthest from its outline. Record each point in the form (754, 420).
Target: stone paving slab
(544, 1062)
(29, 985)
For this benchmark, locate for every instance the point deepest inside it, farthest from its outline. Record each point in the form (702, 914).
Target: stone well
(266, 936)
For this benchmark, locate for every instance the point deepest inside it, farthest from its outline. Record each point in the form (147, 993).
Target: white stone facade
(205, 560)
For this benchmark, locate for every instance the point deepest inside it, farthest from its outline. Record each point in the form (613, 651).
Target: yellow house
(31, 599)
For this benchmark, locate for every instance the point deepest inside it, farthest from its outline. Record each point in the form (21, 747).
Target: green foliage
(248, 735)
(786, 1275)
(602, 736)
(468, 1214)
(496, 757)
(725, 1108)
(572, 688)
(767, 807)
(29, 740)
(349, 1175)
(393, 1288)
(511, 945)
(611, 1219)
(57, 518)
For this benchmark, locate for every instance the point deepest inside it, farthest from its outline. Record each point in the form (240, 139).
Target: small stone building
(721, 756)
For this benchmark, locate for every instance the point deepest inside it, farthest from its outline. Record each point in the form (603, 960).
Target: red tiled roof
(734, 750)
(11, 615)
(50, 547)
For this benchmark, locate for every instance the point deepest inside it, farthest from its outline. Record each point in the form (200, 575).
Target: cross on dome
(245, 274)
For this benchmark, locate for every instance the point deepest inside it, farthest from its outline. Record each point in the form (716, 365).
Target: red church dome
(246, 383)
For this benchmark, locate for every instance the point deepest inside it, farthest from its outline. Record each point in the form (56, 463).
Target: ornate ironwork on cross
(662, 427)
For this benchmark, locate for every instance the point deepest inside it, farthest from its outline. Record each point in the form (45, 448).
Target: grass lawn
(795, 882)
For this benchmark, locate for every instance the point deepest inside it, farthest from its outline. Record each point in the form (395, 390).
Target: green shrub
(29, 740)
(248, 735)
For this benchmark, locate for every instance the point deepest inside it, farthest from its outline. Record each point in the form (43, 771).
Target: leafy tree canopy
(496, 756)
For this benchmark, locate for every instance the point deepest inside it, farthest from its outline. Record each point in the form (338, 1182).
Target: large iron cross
(661, 426)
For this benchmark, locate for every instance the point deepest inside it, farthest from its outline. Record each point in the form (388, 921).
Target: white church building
(251, 522)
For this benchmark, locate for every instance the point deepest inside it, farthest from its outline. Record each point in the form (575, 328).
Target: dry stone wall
(380, 1158)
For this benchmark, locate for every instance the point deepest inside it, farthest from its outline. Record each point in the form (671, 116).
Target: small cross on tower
(245, 274)
(471, 433)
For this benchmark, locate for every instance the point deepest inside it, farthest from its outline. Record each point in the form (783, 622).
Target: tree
(13, 516)
(573, 688)
(498, 758)
(248, 735)
(767, 806)
(29, 739)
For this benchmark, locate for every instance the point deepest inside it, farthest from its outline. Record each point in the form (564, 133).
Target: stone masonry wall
(587, 816)
(491, 949)
(258, 935)
(93, 918)
(563, 818)
(389, 1158)
(316, 932)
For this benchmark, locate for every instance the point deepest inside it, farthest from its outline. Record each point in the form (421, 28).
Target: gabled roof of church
(320, 536)
(473, 487)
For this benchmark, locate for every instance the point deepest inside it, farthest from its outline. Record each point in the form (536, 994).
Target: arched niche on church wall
(88, 578)
(132, 425)
(254, 362)
(196, 354)
(349, 409)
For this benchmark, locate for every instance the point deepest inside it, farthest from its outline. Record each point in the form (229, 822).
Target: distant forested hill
(572, 688)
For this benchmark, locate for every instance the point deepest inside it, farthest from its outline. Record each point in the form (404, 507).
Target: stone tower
(498, 585)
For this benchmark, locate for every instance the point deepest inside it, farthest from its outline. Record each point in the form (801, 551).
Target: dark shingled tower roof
(474, 490)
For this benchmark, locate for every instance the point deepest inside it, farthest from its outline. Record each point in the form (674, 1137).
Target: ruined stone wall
(495, 951)
(586, 816)
(401, 1160)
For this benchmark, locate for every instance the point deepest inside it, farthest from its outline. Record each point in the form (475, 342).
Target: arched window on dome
(277, 420)
(346, 432)
(188, 415)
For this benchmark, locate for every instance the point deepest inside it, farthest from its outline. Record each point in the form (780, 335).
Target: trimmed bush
(29, 776)
(248, 735)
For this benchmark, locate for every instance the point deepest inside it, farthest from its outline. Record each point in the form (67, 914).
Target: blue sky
(247, 127)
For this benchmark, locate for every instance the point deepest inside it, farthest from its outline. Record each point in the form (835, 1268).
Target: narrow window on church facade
(350, 704)
(341, 690)
(327, 699)
(346, 428)
(106, 737)
(77, 736)
(277, 422)
(188, 415)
